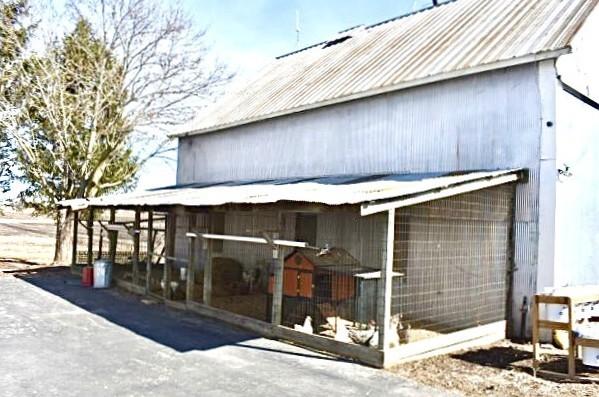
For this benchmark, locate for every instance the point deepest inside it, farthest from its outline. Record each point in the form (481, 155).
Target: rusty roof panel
(426, 46)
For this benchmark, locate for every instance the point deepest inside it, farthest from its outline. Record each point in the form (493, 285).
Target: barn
(396, 191)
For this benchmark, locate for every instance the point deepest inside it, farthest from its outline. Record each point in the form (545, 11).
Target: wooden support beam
(191, 263)
(171, 236)
(279, 269)
(75, 238)
(385, 289)
(207, 294)
(113, 238)
(150, 250)
(90, 237)
(101, 243)
(136, 237)
(277, 293)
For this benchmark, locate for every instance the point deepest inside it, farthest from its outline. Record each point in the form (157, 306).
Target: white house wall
(485, 121)
(577, 209)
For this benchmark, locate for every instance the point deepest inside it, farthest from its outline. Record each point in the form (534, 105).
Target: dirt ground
(502, 369)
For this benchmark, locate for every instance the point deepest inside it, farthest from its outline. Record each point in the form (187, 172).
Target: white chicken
(342, 334)
(306, 328)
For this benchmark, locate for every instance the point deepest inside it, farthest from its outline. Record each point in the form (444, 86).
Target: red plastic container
(87, 276)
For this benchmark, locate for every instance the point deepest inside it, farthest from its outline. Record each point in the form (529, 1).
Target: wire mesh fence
(450, 264)
(452, 255)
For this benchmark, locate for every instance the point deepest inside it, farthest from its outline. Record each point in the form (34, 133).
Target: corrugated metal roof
(326, 190)
(453, 39)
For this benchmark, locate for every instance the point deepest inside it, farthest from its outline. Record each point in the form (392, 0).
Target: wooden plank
(150, 249)
(75, 238)
(171, 235)
(129, 287)
(553, 325)
(438, 343)
(361, 353)
(191, 263)
(90, 237)
(587, 342)
(255, 240)
(385, 291)
(136, 237)
(257, 326)
(550, 299)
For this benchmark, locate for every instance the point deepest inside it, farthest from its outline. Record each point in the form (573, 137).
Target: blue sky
(246, 34)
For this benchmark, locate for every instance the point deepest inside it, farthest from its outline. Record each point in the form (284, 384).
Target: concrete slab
(60, 339)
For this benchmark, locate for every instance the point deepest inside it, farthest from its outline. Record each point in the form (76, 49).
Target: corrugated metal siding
(491, 120)
(453, 37)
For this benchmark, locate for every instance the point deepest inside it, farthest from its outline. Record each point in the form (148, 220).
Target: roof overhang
(374, 194)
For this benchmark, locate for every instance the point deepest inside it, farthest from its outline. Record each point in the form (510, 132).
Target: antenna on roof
(297, 27)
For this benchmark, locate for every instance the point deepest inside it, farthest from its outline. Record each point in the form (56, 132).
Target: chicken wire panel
(453, 255)
(332, 291)
(241, 271)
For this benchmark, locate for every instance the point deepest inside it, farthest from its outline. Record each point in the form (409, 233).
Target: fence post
(150, 250)
(90, 236)
(191, 263)
(207, 294)
(136, 235)
(75, 236)
(385, 289)
(113, 238)
(277, 291)
(171, 235)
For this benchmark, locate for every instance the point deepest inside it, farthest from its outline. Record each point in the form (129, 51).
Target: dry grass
(502, 369)
(24, 238)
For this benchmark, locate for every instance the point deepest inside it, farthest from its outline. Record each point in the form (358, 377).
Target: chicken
(364, 336)
(306, 328)
(342, 334)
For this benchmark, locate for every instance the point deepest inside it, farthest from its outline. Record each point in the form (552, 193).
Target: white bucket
(102, 273)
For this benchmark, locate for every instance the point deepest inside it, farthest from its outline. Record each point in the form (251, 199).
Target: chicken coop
(380, 279)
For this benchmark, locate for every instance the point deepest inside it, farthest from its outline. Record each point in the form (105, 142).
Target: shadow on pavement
(178, 330)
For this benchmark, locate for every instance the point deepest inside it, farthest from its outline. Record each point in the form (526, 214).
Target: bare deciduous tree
(95, 104)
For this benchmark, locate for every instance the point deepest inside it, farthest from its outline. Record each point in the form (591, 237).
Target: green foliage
(13, 36)
(74, 136)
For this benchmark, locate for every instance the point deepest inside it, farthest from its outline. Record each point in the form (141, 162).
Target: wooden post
(207, 294)
(571, 341)
(150, 249)
(113, 238)
(385, 289)
(75, 236)
(171, 235)
(136, 235)
(101, 244)
(191, 263)
(277, 291)
(90, 237)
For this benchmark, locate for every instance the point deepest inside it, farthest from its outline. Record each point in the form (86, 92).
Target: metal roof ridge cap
(497, 65)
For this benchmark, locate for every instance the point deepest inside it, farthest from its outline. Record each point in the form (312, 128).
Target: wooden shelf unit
(573, 342)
